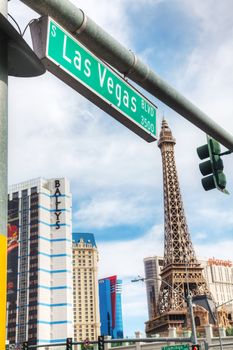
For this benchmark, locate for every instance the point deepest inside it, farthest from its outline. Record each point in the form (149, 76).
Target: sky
(115, 176)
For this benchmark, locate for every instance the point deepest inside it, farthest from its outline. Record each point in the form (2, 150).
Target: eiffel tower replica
(181, 273)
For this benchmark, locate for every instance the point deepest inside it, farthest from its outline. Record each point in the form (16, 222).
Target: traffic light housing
(195, 347)
(68, 343)
(25, 345)
(212, 167)
(101, 342)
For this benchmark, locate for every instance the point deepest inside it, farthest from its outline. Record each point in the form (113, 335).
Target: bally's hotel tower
(39, 272)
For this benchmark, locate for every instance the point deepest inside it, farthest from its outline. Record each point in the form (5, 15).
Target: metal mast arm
(124, 60)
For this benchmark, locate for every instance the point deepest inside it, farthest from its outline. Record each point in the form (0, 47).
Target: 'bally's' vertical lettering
(57, 194)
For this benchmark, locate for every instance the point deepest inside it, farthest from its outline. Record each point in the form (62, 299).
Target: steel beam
(124, 60)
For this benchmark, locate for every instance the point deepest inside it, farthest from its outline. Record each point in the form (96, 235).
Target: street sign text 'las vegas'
(73, 63)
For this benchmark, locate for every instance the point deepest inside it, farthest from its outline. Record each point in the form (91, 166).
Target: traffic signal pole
(193, 325)
(3, 175)
(125, 61)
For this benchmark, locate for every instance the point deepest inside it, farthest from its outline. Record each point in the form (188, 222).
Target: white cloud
(126, 257)
(200, 235)
(220, 250)
(207, 71)
(134, 300)
(222, 218)
(110, 210)
(55, 132)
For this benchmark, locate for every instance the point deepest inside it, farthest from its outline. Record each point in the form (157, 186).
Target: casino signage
(219, 262)
(57, 195)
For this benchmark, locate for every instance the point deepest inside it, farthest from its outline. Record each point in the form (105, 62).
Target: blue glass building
(110, 307)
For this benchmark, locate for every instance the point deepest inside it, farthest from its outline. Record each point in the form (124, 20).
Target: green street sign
(73, 63)
(176, 347)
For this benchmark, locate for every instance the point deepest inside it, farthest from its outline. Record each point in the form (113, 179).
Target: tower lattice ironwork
(181, 273)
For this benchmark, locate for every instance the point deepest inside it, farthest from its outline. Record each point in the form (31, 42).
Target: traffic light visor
(203, 151)
(208, 183)
(206, 167)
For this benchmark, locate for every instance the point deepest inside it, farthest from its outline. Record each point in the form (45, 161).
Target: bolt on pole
(110, 50)
(3, 175)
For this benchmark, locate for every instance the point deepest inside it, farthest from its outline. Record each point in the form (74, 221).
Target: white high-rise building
(39, 285)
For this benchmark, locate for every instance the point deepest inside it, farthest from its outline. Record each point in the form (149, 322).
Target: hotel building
(39, 275)
(218, 275)
(110, 289)
(85, 287)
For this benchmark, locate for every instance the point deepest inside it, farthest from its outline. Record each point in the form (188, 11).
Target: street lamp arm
(138, 279)
(143, 279)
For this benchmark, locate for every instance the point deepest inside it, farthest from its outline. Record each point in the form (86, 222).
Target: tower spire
(181, 273)
(178, 248)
